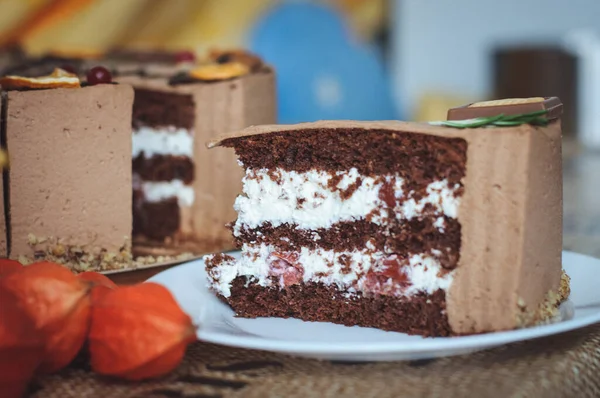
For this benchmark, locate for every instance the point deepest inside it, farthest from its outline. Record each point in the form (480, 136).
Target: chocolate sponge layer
(421, 314)
(164, 168)
(418, 158)
(160, 109)
(415, 236)
(155, 220)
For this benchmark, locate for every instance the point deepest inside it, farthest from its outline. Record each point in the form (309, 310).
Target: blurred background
(360, 59)
(364, 59)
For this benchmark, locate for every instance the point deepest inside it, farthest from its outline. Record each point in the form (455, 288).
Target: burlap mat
(566, 365)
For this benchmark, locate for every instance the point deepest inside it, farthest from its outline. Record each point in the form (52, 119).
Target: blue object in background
(321, 72)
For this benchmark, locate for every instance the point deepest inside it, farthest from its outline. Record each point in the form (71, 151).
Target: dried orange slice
(211, 72)
(57, 79)
(241, 56)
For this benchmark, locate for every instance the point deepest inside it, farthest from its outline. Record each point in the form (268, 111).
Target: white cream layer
(305, 199)
(163, 190)
(163, 141)
(326, 266)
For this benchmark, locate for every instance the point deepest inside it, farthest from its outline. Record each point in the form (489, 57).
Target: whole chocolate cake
(433, 229)
(63, 121)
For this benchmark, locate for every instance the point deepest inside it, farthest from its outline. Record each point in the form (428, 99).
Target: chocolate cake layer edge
(421, 314)
(164, 168)
(156, 220)
(155, 108)
(417, 158)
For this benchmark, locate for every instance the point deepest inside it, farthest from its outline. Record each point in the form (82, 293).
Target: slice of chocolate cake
(409, 227)
(68, 189)
(183, 194)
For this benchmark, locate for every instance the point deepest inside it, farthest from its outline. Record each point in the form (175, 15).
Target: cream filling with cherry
(365, 271)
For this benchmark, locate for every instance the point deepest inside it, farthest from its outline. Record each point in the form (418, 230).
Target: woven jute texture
(566, 365)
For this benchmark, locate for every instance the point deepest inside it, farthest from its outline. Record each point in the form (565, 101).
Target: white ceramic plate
(336, 342)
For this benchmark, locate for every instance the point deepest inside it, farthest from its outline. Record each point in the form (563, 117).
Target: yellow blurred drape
(87, 27)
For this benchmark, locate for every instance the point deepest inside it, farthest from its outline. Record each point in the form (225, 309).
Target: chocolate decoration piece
(514, 106)
(182, 78)
(246, 58)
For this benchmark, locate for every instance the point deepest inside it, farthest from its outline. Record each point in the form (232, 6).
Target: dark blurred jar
(538, 72)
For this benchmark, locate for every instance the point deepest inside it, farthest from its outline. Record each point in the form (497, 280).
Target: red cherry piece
(98, 75)
(387, 193)
(389, 277)
(185, 56)
(285, 267)
(68, 68)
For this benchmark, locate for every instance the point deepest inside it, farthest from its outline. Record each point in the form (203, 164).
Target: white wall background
(444, 45)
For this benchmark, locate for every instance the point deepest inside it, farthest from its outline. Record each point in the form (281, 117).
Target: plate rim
(455, 343)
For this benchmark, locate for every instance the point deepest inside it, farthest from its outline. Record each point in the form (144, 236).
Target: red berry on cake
(285, 267)
(185, 56)
(98, 75)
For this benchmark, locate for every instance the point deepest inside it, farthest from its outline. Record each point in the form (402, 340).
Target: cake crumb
(548, 311)
(78, 258)
(150, 260)
(58, 250)
(31, 239)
